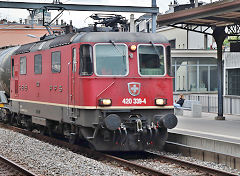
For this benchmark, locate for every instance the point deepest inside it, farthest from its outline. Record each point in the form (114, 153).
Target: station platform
(221, 136)
(206, 126)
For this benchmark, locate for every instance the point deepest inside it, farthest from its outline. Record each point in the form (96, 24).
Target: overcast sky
(80, 18)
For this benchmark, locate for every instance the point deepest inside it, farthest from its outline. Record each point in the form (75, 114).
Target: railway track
(169, 165)
(10, 168)
(188, 165)
(107, 158)
(126, 164)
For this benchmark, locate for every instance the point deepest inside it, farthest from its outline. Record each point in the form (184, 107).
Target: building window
(181, 78)
(86, 60)
(213, 78)
(195, 74)
(23, 65)
(234, 81)
(137, 28)
(192, 78)
(56, 62)
(148, 27)
(203, 78)
(38, 64)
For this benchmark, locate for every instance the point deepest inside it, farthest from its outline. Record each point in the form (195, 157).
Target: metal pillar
(219, 36)
(196, 3)
(132, 24)
(32, 14)
(78, 7)
(154, 17)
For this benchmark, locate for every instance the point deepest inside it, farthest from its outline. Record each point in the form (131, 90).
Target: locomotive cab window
(38, 64)
(111, 59)
(86, 60)
(56, 62)
(23, 65)
(151, 60)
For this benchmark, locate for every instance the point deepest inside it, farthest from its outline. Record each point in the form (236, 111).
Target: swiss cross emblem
(134, 88)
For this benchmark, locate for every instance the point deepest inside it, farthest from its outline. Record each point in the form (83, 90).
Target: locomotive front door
(73, 75)
(16, 74)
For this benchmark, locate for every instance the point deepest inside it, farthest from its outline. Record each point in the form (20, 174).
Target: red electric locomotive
(111, 89)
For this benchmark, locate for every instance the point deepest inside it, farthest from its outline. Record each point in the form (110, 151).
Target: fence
(231, 104)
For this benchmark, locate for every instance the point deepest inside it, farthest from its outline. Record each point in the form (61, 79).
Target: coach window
(111, 59)
(23, 65)
(56, 62)
(38, 64)
(151, 60)
(86, 60)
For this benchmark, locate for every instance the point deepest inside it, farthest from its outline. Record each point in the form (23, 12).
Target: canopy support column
(154, 17)
(219, 36)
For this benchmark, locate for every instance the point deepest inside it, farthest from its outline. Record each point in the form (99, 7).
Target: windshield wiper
(114, 44)
(155, 48)
(123, 54)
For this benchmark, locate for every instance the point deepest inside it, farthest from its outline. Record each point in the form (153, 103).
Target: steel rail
(17, 166)
(190, 165)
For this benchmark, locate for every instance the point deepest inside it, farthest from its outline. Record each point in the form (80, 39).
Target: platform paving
(206, 126)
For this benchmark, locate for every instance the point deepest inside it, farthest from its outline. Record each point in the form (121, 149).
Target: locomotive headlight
(133, 48)
(160, 101)
(105, 102)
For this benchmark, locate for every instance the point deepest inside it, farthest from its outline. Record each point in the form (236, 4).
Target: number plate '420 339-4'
(135, 101)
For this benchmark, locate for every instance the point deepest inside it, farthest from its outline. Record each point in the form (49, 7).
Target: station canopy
(224, 13)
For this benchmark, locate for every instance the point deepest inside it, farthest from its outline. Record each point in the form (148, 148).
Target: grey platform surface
(207, 127)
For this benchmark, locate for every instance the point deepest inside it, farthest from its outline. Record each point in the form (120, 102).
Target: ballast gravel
(49, 160)
(167, 167)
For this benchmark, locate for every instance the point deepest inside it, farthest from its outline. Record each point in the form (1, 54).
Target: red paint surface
(85, 90)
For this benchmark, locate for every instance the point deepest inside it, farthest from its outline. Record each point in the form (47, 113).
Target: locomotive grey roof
(102, 37)
(120, 37)
(24, 48)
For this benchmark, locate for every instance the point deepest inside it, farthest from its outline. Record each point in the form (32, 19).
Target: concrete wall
(179, 35)
(184, 38)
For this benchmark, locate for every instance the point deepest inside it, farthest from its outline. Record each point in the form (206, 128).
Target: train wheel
(72, 139)
(42, 130)
(18, 119)
(161, 138)
(4, 116)
(29, 124)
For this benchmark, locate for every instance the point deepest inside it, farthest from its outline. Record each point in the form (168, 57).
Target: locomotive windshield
(151, 59)
(111, 59)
